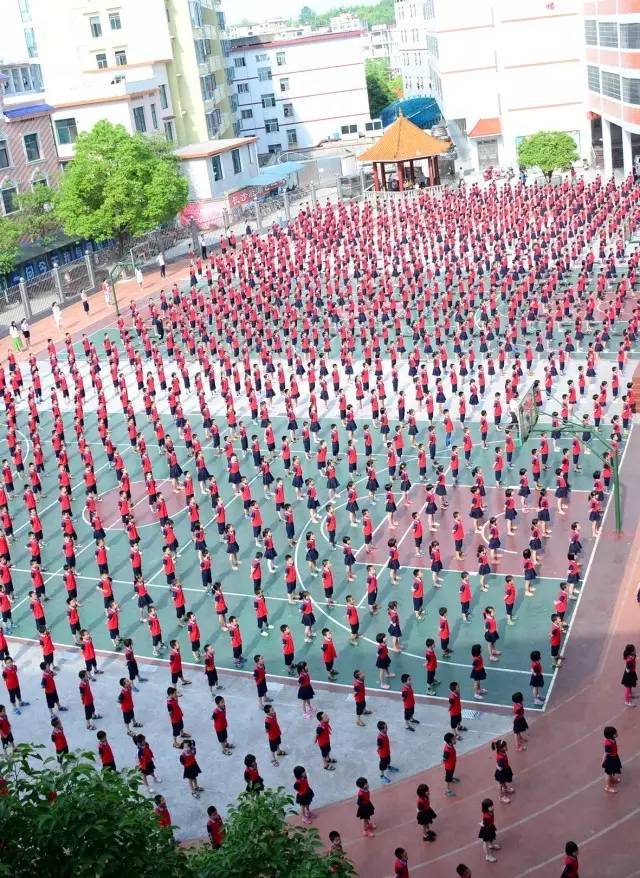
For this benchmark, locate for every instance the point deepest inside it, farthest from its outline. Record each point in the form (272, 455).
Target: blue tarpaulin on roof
(273, 173)
(26, 111)
(423, 111)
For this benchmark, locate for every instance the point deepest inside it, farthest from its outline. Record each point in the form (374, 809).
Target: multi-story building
(28, 155)
(410, 50)
(612, 36)
(296, 92)
(200, 73)
(500, 71)
(382, 44)
(156, 66)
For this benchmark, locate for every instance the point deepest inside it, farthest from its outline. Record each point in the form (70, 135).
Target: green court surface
(505, 677)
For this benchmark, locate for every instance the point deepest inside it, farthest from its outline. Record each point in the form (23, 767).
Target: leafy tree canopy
(549, 151)
(37, 221)
(119, 184)
(259, 842)
(382, 12)
(61, 823)
(9, 245)
(381, 88)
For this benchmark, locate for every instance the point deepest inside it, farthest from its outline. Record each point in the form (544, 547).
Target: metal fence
(64, 283)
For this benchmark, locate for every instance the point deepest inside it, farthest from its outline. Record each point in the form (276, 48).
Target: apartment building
(500, 71)
(295, 92)
(612, 37)
(156, 66)
(410, 51)
(28, 155)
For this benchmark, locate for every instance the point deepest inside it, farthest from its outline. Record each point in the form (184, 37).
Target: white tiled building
(499, 69)
(293, 93)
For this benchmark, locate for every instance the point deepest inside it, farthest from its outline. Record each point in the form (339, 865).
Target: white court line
(586, 572)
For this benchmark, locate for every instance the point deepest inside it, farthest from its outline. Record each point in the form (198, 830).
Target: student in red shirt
(383, 747)
(425, 814)
(219, 718)
(59, 739)
(161, 811)
(288, 649)
(145, 758)
(86, 697)
(215, 827)
(274, 735)
(304, 793)
(125, 700)
(329, 653)
(409, 703)
(488, 831)
(6, 736)
(449, 759)
(260, 679)
(105, 752)
(323, 740)
(571, 865)
(365, 807)
(401, 863)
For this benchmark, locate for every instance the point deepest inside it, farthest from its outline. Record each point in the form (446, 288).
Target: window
(203, 49)
(260, 58)
(268, 101)
(374, 125)
(30, 40)
(292, 137)
(139, 119)
(195, 10)
(288, 111)
(281, 59)
(9, 196)
(22, 79)
(246, 114)
(274, 148)
(39, 180)
(610, 85)
(239, 62)
(5, 158)
(207, 86)
(243, 88)
(271, 126)
(31, 147)
(94, 26)
(222, 25)
(608, 34)
(233, 100)
(593, 78)
(284, 84)
(168, 131)
(121, 58)
(66, 131)
(230, 74)
(237, 161)
(25, 10)
(115, 22)
(631, 91)
(630, 36)
(164, 103)
(264, 73)
(216, 167)
(154, 116)
(591, 32)
(101, 60)
(213, 120)
(348, 129)
(428, 10)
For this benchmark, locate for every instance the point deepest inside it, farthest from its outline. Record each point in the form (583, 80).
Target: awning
(487, 128)
(273, 173)
(26, 111)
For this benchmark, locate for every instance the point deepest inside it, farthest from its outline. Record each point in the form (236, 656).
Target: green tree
(9, 245)
(260, 843)
(37, 221)
(549, 151)
(307, 15)
(379, 85)
(76, 820)
(118, 185)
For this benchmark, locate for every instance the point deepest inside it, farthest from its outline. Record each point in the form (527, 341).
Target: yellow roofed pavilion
(404, 143)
